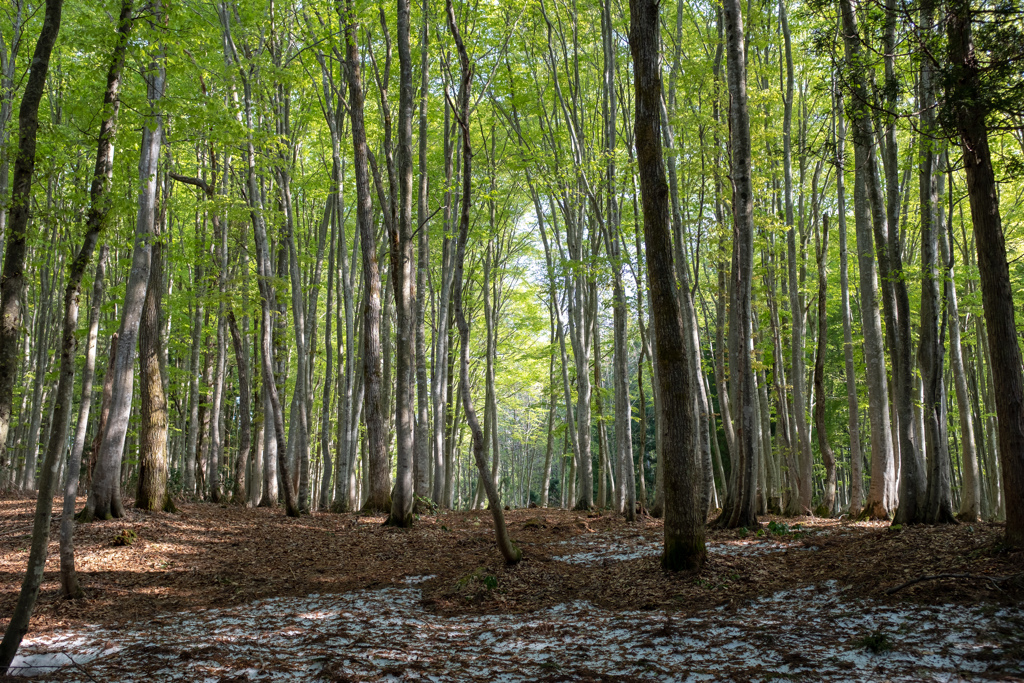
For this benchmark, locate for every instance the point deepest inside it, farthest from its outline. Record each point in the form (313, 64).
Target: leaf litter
(230, 594)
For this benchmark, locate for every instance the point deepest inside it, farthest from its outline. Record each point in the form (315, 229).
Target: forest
(684, 271)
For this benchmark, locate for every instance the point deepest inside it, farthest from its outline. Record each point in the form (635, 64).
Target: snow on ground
(598, 548)
(811, 633)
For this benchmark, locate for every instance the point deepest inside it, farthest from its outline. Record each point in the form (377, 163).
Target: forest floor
(224, 593)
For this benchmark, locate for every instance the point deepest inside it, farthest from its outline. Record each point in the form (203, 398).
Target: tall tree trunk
(803, 446)
(997, 294)
(268, 297)
(152, 491)
(238, 495)
(105, 497)
(217, 409)
(508, 549)
(970, 490)
(70, 587)
(12, 280)
(422, 436)
(441, 396)
(882, 494)
(378, 497)
(684, 525)
(404, 282)
(828, 500)
(739, 509)
(852, 400)
(937, 506)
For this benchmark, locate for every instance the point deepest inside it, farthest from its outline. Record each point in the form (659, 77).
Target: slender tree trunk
(70, 587)
(422, 436)
(803, 446)
(881, 500)
(105, 497)
(739, 510)
(379, 493)
(852, 400)
(508, 549)
(12, 280)
(828, 500)
(238, 495)
(970, 490)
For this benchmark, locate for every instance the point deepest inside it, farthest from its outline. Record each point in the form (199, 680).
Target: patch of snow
(815, 632)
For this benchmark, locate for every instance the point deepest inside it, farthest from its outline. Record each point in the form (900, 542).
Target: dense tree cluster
(580, 254)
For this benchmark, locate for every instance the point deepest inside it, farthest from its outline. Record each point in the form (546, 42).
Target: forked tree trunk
(937, 506)
(741, 500)
(105, 497)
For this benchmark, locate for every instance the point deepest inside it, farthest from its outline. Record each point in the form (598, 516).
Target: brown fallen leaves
(210, 556)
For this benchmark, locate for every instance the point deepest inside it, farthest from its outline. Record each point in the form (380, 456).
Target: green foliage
(877, 641)
(124, 537)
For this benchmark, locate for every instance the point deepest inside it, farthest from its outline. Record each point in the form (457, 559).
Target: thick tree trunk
(996, 290)
(404, 282)
(152, 491)
(684, 525)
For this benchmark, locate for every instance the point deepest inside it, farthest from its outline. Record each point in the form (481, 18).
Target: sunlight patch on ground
(815, 632)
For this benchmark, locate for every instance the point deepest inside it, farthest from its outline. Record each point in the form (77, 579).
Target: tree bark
(881, 499)
(238, 495)
(741, 500)
(379, 494)
(105, 497)
(152, 491)
(12, 280)
(969, 114)
(508, 549)
(684, 525)
(828, 500)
